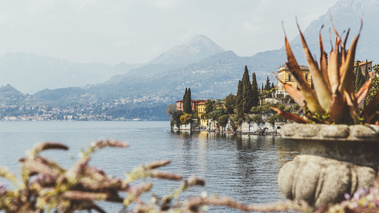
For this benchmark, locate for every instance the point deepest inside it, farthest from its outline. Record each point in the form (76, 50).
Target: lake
(243, 167)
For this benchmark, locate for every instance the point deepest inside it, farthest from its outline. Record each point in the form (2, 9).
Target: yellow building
(285, 75)
(200, 106)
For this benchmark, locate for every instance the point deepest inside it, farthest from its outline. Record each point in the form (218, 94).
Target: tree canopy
(187, 105)
(255, 89)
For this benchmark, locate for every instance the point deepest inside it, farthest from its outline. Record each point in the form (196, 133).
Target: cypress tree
(239, 103)
(367, 76)
(262, 88)
(185, 101)
(254, 86)
(230, 103)
(247, 97)
(268, 85)
(359, 79)
(189, 101)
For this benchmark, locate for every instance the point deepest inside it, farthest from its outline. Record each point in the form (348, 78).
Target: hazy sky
(136, 31)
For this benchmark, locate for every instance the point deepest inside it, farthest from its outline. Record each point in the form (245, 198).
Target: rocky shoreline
(245, 128)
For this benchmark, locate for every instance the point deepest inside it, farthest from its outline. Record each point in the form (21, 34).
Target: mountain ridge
(198, 48)
(31, 73)
(217, 75)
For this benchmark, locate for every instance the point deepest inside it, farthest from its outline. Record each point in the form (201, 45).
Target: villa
(285, 76)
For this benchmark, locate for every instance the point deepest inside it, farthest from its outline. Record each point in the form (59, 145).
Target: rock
(363, 131)
(338, 132)
(289, 129)
(308, 130)
(319, 180)
(375, 127)
(335, 131)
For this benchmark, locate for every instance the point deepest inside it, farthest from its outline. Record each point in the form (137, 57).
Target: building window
(289, 77)
(306, 77)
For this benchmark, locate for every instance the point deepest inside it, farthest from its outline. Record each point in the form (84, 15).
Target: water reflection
(244, 167)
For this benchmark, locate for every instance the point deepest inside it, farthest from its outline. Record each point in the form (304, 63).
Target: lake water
(242, 167)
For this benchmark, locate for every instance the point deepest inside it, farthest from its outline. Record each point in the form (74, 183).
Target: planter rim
(330, 132)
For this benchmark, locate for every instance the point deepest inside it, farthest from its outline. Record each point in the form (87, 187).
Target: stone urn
(333, 160)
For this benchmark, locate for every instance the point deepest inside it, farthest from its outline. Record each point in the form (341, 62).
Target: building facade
(362, 66)
(198, 105)
(285, 76)
(194, 105)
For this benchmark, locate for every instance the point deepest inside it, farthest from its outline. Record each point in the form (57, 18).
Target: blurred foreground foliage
(47, 187)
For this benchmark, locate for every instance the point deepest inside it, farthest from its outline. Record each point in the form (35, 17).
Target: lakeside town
(86, 111)
(260, 115)
(250, 111)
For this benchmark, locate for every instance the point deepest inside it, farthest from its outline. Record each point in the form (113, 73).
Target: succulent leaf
(308, 94)
(361, 94)
(293, 92)
(347, 68)
(289, 116)
(337, 108)
(322, 90)
(323, 62)
(334, 100)
(333, 69)
(371, 108)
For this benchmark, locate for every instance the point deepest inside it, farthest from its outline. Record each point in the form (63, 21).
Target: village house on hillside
(194, 104)
(198, 105)
(362, 65)
(285, 76)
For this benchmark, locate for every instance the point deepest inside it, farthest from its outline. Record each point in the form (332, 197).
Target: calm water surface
(242, 167)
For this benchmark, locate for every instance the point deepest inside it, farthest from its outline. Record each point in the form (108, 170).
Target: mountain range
(201, 64)
(31, 73)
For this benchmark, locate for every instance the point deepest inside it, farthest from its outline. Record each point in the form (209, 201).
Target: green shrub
(234, 118)
(281, 106)
(296, 107)
(185, 118)
(233, 124)
(247, 118)
(272, 119)
(256, 109)
(223, 120)
(275, 118)
(266, 108)
(176, 118)
(257, 119)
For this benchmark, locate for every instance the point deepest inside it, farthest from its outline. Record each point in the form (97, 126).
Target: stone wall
(212, 126)
(251, 128)
(260, 128)
(183, 127)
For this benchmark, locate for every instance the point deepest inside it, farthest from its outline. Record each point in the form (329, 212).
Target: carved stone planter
(333, 160)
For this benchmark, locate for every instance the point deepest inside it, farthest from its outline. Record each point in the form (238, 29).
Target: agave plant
(333, 100)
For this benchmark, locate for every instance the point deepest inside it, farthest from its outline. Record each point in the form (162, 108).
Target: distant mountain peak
(9, 89)
(346, 14)
(201, 38)
(196, 49)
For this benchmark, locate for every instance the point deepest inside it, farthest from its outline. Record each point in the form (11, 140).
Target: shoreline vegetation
(263, 111)
(248, 112)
